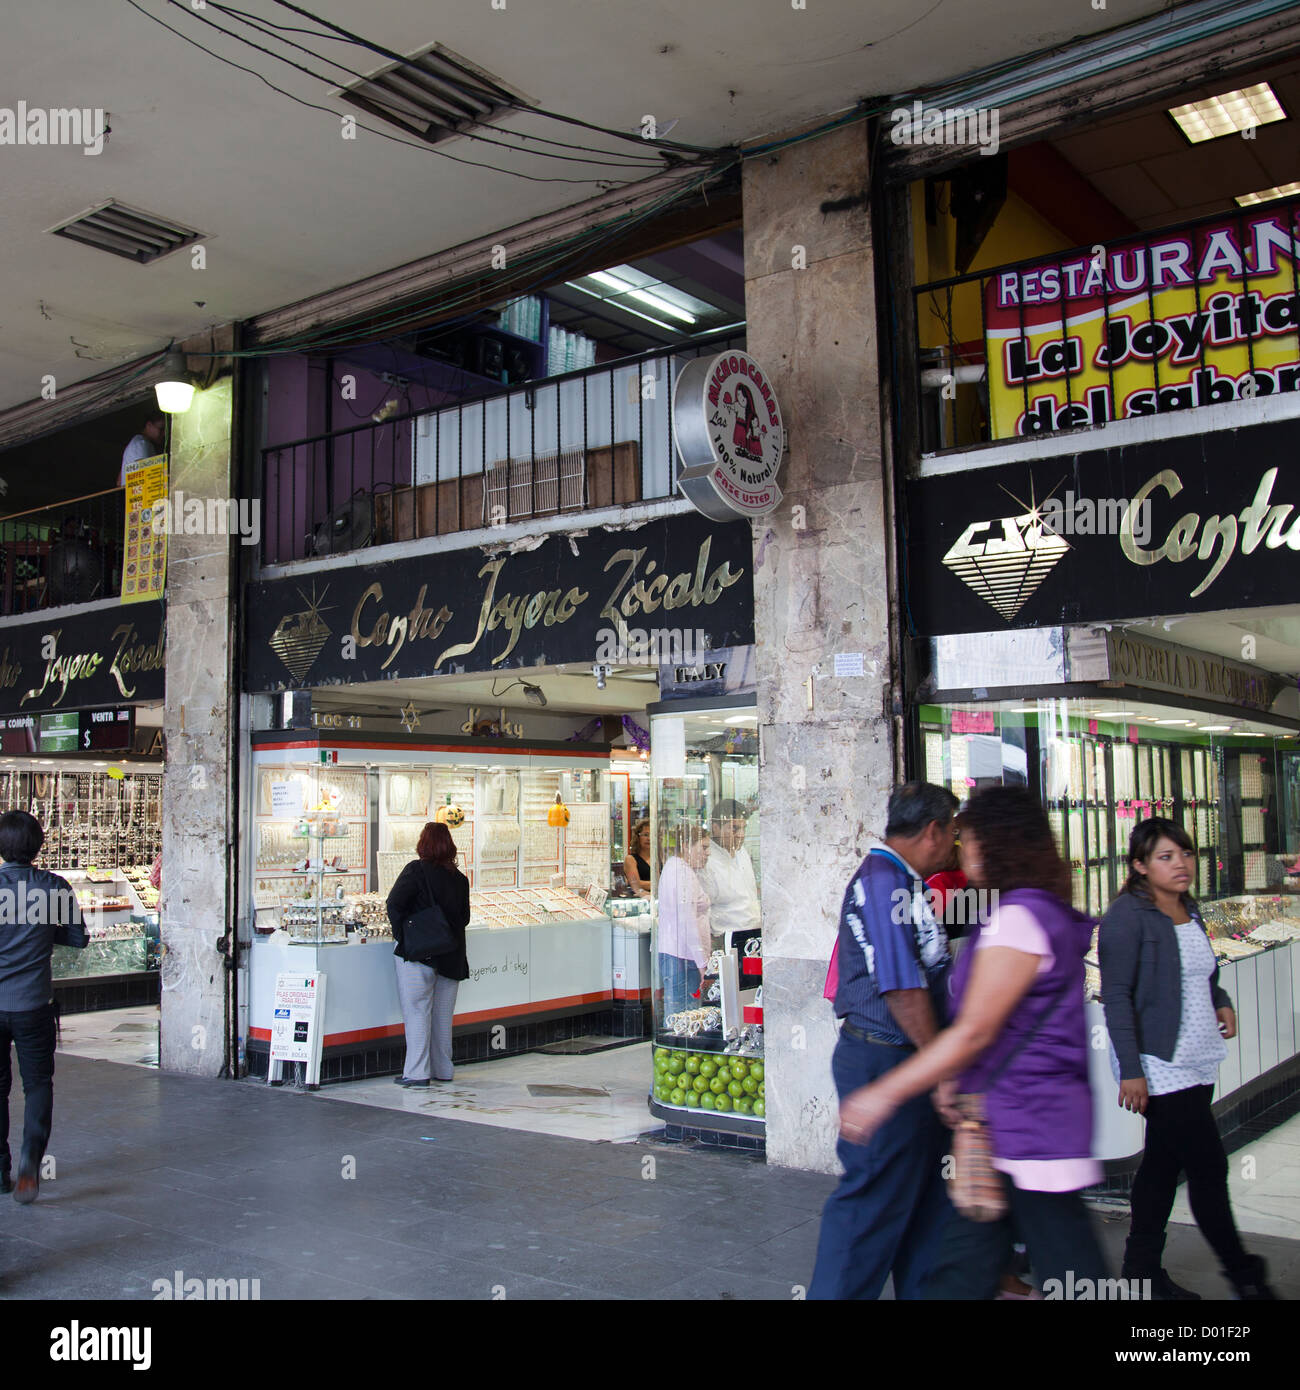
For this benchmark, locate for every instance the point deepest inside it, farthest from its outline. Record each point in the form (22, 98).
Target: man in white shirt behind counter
(151, 440)
(728, 878)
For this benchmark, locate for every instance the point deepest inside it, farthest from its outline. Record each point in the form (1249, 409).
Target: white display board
(297, 1023)
(514, 971)
(286, 799)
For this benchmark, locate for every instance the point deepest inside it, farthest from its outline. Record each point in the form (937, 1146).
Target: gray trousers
(428, 1002)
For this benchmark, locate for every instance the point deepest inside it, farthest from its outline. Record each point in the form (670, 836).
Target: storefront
(514, 697)
(709, 1078)
(83, 753)
(1130, 670)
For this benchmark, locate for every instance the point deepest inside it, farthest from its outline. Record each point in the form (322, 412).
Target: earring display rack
(90, 818)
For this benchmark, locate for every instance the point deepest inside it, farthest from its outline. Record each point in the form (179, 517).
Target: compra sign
(730, 436)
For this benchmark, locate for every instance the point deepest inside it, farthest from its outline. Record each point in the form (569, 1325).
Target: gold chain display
(90, 818)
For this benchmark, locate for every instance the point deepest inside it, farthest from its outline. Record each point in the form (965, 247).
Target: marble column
(821, 588)
(197, 801)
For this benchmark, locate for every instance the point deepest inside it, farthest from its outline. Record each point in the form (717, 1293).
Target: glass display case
(1101, 766)
(103, 834)
(118, 910)
(532, 832)
(706, 946)
(89, 817)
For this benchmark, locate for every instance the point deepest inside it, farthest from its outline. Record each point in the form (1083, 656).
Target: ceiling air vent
(434, 95)
(125, 231)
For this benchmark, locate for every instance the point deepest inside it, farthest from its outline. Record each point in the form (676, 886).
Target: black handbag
(426, 933)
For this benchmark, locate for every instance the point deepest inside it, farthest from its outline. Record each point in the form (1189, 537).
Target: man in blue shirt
(38, 910)
(890, 1206)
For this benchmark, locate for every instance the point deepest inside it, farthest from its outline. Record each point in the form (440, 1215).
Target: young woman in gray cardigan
(1168, 1017)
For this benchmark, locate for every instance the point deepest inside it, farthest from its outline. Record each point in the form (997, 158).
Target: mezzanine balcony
(596, 438)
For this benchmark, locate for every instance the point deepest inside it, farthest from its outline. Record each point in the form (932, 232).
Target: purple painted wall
(305, 482)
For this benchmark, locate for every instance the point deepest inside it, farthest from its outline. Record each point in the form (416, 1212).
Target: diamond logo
(1010, 560)
(299, 637)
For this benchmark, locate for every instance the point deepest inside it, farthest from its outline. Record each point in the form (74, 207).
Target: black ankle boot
(1249, 1282)
(6, 1181)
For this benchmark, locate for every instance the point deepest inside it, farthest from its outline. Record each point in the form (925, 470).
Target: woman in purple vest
(1168, 1016)
(1019, 1040)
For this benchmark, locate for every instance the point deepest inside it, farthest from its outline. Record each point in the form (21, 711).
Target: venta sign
(730, 436)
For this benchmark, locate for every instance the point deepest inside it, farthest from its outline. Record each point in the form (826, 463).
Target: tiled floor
(318, 1198)
(497, 1093)
(1264, 1175)
(113, 1035)
(1264, 1180)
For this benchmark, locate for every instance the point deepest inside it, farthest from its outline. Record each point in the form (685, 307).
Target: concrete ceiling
(289, 209)
(1142, 164)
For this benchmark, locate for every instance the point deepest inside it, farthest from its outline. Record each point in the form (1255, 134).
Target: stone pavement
(158, 1173)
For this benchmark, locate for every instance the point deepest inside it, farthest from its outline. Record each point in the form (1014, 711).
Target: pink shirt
(683, 913)
(1017, 928)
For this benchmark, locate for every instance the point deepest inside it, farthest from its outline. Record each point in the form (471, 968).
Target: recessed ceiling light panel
(1283, 190)
(1228, 114)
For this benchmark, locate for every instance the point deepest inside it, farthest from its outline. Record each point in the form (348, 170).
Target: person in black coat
(427, 988)
(1168, 1019)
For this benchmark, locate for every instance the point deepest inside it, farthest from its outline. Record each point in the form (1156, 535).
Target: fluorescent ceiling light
(1228, 113)
(1173, 721)
(628, 280)
(622, 308)
(655, 302)
(1283, 190)
(603, 277)
(1215, 728)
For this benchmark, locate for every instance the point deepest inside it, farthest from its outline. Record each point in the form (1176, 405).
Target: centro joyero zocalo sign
(730, 436)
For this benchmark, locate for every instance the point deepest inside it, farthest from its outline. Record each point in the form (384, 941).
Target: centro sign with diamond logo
(730, 436)
(1005, 560)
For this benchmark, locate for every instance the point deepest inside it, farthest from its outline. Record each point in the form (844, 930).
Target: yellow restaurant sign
(1194, 317)
(144, 566)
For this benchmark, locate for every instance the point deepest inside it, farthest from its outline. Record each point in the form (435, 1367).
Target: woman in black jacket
(1168, 1016)
(427, 988)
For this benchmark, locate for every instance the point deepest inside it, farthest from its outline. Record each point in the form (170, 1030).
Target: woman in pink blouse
(684, 942)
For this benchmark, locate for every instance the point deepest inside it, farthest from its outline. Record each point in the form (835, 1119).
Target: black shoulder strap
(1031, 1035)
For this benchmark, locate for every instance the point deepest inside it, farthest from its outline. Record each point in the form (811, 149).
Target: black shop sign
(1191, 525)
(564, 601)
(108, 656)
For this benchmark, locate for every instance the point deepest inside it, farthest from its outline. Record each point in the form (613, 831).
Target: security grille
(126, 231)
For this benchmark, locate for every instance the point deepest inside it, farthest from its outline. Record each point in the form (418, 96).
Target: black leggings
(1182, 1137)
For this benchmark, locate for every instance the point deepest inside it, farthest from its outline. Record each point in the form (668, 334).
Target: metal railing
(1021, 349)
(66, 552)
(593, 438)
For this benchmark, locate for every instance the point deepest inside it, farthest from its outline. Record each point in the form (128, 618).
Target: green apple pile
(710, 1081)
